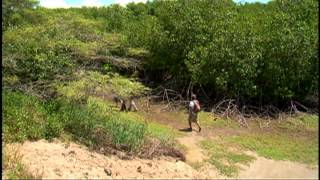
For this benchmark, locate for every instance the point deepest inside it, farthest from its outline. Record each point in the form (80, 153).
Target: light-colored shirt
(191, 106)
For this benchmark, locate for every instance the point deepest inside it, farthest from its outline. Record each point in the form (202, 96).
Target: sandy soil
(58, 160)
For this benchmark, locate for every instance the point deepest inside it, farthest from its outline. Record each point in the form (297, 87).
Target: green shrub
(22, 117)
(91, 83)
(53, 127)
(30, 53)
(126, 132)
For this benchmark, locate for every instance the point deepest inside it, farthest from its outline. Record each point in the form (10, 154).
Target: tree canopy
(259, 52)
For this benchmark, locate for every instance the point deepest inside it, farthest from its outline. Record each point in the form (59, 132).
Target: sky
(90, 3)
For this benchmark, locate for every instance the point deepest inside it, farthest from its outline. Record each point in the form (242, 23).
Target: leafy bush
(41, 51)
(30, 54)
(27, 118)
(53, 127)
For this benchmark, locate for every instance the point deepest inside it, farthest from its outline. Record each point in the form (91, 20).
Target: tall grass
(127, 132)
(26, 117)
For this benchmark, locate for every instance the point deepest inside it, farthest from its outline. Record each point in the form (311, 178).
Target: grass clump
(310, 121)
(13, 166)
(224, 159)
(197, 165)
(295, 139)
(126, 132)
(164, 133)
(306, 122)
(137, 52)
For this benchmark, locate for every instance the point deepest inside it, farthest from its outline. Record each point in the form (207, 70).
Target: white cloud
(88, 3)
(124, 2)
(91, 3)
(54, 4)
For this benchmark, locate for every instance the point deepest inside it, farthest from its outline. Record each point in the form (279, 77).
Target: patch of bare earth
(58, 160)
(194, 152)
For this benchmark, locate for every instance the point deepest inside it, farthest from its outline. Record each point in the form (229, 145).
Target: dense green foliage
(252, 50)
(16, 12)
(261, 52)
(27, 118)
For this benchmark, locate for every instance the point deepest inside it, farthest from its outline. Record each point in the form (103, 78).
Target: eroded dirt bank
(59, 160)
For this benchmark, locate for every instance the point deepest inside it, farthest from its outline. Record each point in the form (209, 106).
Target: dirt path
(194, 152)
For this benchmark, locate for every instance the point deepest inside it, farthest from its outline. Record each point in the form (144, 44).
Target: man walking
(194, 108)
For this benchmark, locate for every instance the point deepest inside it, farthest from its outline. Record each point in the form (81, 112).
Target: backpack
(197, 106)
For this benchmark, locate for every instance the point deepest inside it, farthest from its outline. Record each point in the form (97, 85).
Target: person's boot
(190, 129)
